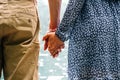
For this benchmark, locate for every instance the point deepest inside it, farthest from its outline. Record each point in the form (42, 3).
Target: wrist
(52, 30)
(54, 24)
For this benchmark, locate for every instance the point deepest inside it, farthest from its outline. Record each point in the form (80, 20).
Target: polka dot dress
(93, 30)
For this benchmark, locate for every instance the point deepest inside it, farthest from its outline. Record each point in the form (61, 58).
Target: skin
(52, 42)
(54, 8)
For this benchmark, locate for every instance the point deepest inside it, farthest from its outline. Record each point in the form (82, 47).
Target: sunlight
(45, 2)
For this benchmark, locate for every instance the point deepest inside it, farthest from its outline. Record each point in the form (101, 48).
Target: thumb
(45, 37)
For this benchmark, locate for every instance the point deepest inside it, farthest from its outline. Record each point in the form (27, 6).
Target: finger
(54, 50)
(51, 52)
(56, 54)
(46, 44)
(51, 47)
(59, 50)
(45, 37)
(63, 46)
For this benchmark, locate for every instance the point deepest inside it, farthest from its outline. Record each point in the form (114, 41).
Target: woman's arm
(69, 19)
(54, 8)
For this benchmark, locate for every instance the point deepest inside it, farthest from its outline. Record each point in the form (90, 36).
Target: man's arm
(54, 8)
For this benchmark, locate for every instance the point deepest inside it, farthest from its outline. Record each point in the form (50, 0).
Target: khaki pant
(19, 44)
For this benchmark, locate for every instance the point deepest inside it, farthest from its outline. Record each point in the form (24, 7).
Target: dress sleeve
(72, 11)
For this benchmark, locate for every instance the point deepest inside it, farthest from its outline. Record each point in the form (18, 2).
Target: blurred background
(50, 68)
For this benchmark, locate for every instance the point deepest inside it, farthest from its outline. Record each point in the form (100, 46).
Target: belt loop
(35, 2)
(3, 1)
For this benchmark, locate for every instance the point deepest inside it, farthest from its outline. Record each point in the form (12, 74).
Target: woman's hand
(53, 44)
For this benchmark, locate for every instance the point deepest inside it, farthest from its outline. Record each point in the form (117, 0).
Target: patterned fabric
(93, 30)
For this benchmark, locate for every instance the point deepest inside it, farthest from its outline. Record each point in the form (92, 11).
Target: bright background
(49, 68)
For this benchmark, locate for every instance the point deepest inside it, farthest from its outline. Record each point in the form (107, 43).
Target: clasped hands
(53, 44)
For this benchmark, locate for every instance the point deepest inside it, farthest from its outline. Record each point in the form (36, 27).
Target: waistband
(16, 1)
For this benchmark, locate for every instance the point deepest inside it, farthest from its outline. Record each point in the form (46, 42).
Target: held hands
(53, 44)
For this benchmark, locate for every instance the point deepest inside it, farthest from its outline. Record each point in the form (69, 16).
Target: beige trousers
(19, 44)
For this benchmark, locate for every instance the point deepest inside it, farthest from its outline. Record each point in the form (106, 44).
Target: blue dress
(93, 30)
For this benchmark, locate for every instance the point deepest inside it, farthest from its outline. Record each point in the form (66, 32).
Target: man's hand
(53, 43)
